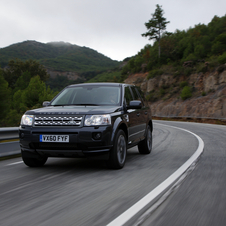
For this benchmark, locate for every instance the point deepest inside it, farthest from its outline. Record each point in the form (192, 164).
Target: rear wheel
(118, 152)
(145, 146)
(34, 161)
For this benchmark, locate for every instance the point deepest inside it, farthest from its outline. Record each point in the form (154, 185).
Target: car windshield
(88, 95)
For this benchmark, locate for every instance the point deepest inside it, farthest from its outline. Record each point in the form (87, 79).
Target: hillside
(207, 100)
(189, 78)
(58, 56)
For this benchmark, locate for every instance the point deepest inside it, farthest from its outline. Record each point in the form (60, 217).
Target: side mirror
(135, 104)
(45, 103)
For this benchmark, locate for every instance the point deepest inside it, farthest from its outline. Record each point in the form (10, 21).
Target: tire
(35, 161)
(119, 151)
(145, 146)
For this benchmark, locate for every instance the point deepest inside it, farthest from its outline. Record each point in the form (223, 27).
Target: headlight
(97, 120)
(27, 120)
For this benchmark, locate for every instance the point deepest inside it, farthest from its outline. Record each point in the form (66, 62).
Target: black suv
(94, 120)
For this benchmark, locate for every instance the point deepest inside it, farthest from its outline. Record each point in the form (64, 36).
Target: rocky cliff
(71, 75)
(208, 94)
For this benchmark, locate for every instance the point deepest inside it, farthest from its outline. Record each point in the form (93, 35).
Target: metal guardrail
(9, 133)
(188, 117)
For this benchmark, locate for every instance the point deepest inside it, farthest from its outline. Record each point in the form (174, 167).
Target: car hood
(79, 110)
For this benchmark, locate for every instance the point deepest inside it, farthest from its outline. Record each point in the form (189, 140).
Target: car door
(133, 118)
(141, 114)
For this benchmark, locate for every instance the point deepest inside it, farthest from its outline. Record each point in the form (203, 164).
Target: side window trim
(138, 94)
(130, 93)
(134, 89)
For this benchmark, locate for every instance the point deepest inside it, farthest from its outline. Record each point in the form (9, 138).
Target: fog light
(97, 136)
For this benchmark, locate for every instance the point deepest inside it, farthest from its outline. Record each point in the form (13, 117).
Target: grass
(9, 157)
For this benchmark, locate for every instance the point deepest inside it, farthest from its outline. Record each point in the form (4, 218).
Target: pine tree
(156, 26)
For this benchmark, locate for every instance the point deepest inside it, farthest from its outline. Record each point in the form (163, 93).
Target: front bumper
(83, 142)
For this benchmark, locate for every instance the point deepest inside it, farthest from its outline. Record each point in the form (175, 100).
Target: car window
(65, 97)
(128, 95)
(90, 95)
(136, 94)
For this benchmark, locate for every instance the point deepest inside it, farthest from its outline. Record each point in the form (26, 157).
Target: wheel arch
(150, 123)
(119, 124)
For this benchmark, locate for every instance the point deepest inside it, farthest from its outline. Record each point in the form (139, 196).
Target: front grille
(58, 120)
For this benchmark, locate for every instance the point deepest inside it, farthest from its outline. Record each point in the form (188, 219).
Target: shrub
(202, 67)
(183, 84)
(186, 93)
(162, 92)
(220, 69)
(151, 96)
(154, 73)
(188, 71)
(179, 70)
(222, 58)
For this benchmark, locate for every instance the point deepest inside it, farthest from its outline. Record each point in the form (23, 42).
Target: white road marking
(14, 163)
(128, 214)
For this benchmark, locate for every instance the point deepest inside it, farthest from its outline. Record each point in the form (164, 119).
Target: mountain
(58, 56)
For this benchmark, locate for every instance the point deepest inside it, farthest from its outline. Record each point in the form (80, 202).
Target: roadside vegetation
(203, 43)
(197, 50)
(22, 87)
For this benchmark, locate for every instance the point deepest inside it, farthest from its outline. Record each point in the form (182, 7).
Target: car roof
(99, 84)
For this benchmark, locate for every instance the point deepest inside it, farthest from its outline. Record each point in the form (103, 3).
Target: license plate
(54, 138)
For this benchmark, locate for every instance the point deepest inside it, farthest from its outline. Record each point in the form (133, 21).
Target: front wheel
(34, 161)
(145, 146)
(118, 152)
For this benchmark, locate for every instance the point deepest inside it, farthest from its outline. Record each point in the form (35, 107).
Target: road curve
(153, 199)
(200, 199)
(83, 192)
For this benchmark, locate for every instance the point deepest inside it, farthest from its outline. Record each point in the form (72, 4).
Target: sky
(111, 27)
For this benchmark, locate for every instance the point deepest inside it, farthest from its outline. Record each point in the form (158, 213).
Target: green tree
(17, 68)
(23, 81)
(36, 93)
(29, 98)
(18, 105)
(156, 26)
(218, 48)
(5, 96)
(222, 58)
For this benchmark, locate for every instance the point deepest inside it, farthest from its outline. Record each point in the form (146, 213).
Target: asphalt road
(201, 198)
(83, 192)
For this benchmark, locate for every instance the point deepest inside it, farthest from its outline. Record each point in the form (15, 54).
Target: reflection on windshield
(88, 95)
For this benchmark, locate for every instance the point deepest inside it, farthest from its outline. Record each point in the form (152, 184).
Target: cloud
(112, 27)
